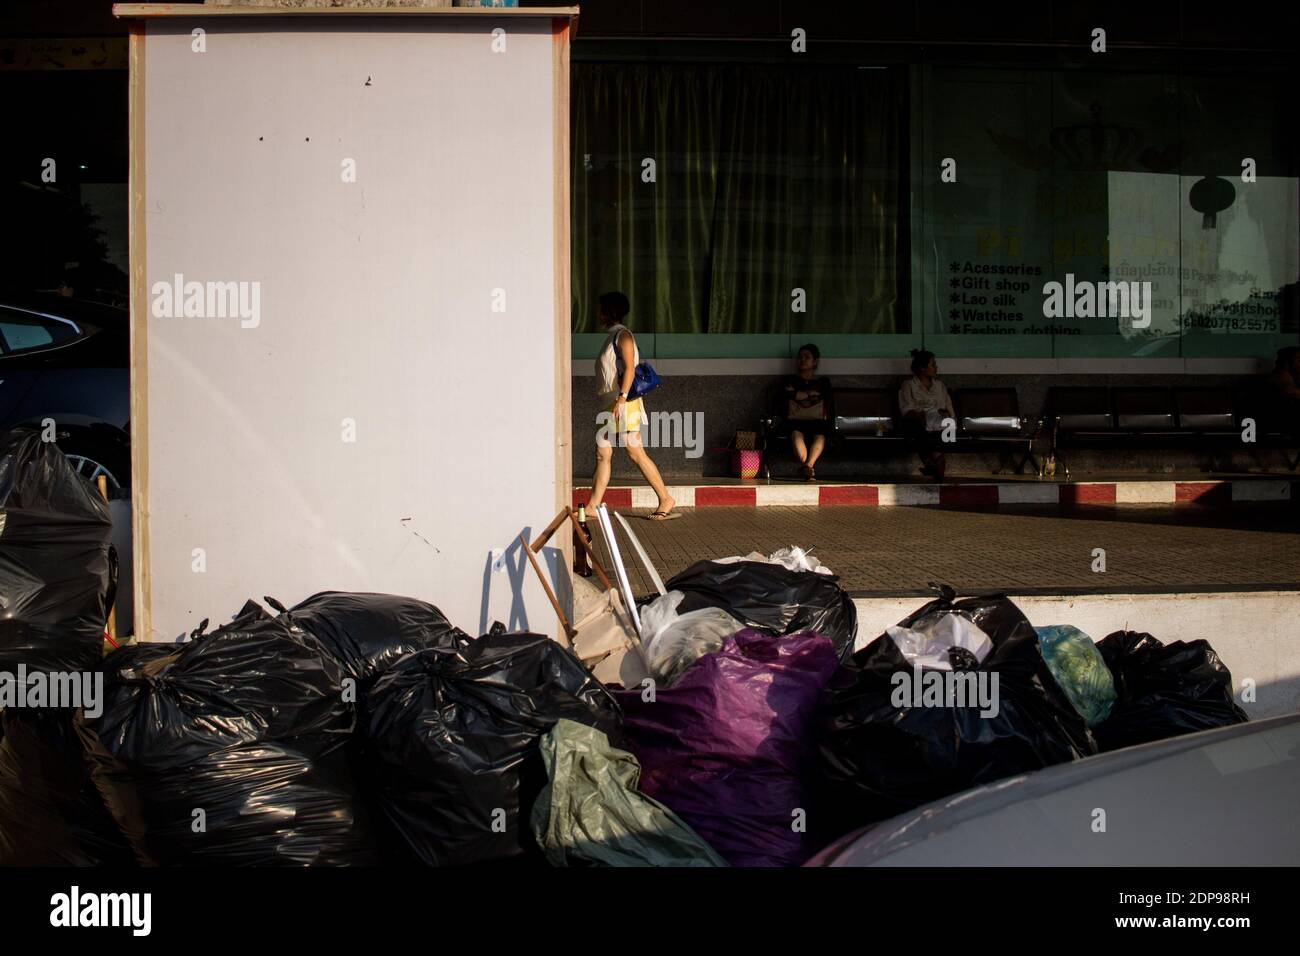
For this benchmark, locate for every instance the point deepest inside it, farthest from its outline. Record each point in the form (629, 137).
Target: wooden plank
(563, 306)
(565, 629)
(111, 628)
(156, 10)
(139, 308)
(549, 530)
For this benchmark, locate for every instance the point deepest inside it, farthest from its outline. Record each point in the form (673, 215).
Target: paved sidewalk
(961, 492)
(896, 551)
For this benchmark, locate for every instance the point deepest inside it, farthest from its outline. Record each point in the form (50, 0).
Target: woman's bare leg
(642, 460)
(604, 461)
(800, 449)
(818, 446)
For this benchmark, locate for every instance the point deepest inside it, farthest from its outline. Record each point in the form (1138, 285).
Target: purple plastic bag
(726, 746)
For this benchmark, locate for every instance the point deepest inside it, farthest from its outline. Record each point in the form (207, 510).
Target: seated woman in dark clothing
(807, 400)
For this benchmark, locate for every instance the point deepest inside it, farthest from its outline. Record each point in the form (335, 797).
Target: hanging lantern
(1211, 196)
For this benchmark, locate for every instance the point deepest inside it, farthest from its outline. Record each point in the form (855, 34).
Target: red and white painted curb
(750, 494)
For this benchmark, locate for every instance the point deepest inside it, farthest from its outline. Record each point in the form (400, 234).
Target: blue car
(65, 365)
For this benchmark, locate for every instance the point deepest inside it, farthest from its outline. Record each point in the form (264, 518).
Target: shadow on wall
(505, 572)
(1272, 698)
(512, 562)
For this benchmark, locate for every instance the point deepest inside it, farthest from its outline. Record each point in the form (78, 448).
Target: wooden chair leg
(568, 514)
(550, 594)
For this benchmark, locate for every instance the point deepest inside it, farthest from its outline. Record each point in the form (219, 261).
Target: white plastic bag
(732, 559)
(795, 558)
(929, 646)
(673, 642)
(658, 614)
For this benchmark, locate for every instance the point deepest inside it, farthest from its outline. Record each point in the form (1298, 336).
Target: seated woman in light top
(924, 404)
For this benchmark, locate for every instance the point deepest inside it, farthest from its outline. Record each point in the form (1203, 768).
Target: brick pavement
(887, 551)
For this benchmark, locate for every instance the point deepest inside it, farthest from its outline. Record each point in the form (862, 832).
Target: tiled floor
(883, 551)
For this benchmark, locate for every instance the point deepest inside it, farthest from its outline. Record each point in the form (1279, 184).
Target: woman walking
(622, 417)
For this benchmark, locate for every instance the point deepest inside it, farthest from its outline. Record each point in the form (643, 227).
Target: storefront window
(1148, 209)
(1104, 214)
(741, 207)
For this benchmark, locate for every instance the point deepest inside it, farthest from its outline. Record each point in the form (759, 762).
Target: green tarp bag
(591, 814)
(1079, 668)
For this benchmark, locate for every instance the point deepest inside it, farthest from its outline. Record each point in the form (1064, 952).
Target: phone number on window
(1232, 325)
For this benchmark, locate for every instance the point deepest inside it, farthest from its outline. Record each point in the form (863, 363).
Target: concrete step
(1253, 632)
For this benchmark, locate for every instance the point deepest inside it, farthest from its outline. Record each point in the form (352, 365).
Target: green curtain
(767, 179)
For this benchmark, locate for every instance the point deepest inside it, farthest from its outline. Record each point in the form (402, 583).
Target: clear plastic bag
(797, 559)
(794, 558)
(935, 645)
(673, 642)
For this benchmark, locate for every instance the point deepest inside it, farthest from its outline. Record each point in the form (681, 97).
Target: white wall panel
(375, 305)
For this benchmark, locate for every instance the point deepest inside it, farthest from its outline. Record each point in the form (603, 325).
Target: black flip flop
(663, 515)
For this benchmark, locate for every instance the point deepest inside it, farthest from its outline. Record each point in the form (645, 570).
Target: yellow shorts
(630, 421)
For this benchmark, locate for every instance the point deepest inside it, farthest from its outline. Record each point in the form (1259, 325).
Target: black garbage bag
(57, 566)
(1163, 690)
(878, 759)
(50, 812)
(772, 598)
(250, 613)
(230, 750)
(368, 633)
(452, 742)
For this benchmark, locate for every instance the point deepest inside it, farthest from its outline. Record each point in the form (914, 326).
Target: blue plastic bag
(1079, 668)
